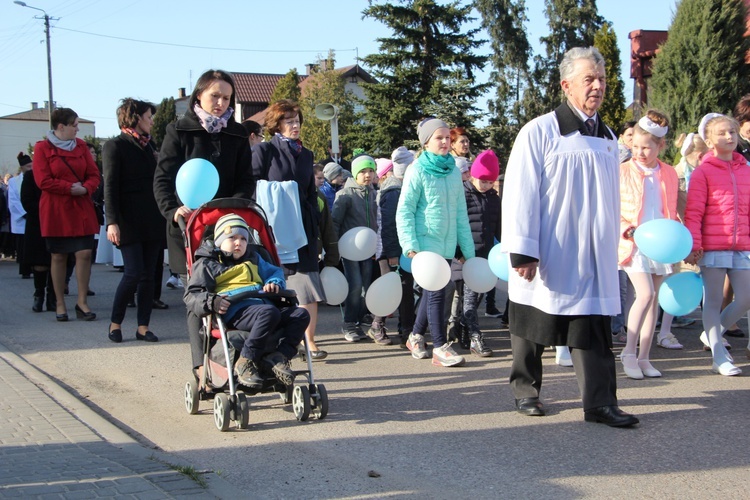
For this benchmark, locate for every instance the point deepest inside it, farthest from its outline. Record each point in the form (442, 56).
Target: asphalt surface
(397, 427)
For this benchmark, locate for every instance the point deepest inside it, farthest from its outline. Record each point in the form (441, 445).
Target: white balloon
(358, 243)
(384, 295)
(431, 271)
(335, 285)
(478, 276)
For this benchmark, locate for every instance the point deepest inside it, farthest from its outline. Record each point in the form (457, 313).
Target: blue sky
(91, 73)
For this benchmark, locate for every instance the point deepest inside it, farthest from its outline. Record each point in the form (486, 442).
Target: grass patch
(189, 471)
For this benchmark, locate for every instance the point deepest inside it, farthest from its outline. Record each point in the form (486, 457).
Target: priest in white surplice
(561, 220)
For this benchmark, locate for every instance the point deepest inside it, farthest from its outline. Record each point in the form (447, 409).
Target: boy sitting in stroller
(228, 266)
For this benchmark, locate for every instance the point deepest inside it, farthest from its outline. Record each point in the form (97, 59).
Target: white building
(19, 130)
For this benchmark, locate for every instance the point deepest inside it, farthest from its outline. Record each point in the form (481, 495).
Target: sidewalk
(53, 446)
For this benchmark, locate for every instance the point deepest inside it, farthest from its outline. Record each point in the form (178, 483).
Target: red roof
(257, 87)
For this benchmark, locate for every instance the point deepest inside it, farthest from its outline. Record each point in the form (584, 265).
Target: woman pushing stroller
(223, 269)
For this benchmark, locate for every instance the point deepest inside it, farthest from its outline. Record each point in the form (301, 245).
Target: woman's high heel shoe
(61, 317)
(86, 316)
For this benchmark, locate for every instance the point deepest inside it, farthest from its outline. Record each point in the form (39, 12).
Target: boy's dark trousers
(261, 321)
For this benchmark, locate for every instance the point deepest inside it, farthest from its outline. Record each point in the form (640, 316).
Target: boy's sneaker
(377, 333)
(620, 338)
(280, 367)
(682, 321)
(174, 282)
(352, 332)
(446, 356)
(478, 346)
(247, 373)
(415, 344)
(492, 312)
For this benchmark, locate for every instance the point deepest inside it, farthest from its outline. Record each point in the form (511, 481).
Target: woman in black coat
(283, 158)
(208, 130)
(134, 223)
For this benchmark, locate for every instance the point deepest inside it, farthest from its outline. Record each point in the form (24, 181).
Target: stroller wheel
(222, 411)
(301, 402)
(286, 394)
(192, 397)
(320, 402)
(242, 411)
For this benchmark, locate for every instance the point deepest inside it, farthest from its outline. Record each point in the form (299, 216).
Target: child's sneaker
(416, 345)
(668, 341)
(352, 332)
(377, 333)
(446, 356)
(174, 282)
(492, 312)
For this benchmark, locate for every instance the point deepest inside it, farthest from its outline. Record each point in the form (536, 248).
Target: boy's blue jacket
(214, 274)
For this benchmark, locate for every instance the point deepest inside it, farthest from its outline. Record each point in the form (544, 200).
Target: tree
(701, 67)
(287, 88)
(612, 110)
(165, 114)
(428, 58)
(572, 23)
(504, 21)
(325, 85)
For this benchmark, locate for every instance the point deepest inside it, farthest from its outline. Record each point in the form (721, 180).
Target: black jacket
(484, 219)
(274, 161)
(129, 201)
(228, 150)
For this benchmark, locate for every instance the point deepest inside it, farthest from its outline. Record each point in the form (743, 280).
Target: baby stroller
(218, 381)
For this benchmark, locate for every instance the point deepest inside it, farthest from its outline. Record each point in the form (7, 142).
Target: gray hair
(571, 56)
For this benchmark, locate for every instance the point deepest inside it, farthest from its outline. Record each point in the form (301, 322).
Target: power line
(230, 49)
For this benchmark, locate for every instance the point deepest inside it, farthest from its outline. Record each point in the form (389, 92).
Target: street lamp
(49, 56)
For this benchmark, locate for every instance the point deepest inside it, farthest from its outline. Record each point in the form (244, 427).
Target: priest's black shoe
(530, 406)
(612, 416)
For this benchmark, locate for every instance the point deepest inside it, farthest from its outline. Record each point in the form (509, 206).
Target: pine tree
(572, 23)
(165, 114)
(504, 21)
(429, 57)
(325, 86)
(287, 88)
(701, 67)
(612, 110)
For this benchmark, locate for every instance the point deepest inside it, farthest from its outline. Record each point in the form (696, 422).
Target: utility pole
(46, 18)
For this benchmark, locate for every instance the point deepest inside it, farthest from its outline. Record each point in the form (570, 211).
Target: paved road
(421, 431)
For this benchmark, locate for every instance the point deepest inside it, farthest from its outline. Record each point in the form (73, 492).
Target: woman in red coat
(66, 173)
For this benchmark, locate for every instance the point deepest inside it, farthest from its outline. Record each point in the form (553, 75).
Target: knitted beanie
(401, 158)
(428, 127)
(486, 166)
(384, 166)
(228, 226)
(331, 171)
(362, 162)
(23, 159)
(462, 163)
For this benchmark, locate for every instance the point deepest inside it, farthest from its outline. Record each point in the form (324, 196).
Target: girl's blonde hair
(695, 146)
(711, 124)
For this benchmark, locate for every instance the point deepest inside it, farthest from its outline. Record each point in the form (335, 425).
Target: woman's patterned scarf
(212, 124)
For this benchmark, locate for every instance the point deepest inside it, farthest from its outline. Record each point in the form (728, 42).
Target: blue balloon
(197, 182)
(664, 240)
(404, 263)
(499, 262)
(681, 293)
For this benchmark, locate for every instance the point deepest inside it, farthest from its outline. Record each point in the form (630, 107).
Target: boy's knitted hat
(229, 225)
(401, 158)
(332, 170)
(362, 162)
(486, 166)
(462, 163)
(384, 166)
(428, 127)
(23, 159)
